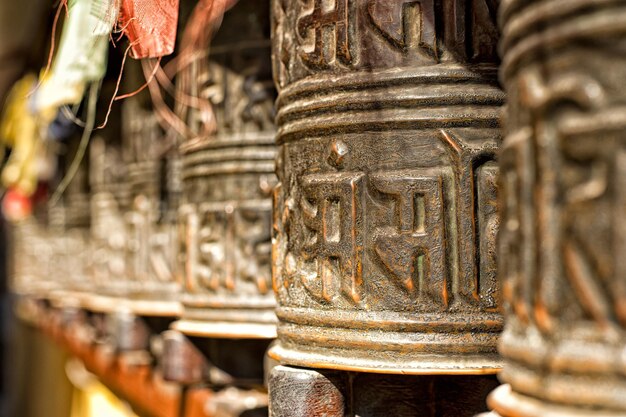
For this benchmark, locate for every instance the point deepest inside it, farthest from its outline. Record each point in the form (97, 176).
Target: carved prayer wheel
(68, 230)
(225, 215)
(133, 232)
(31, 257)
(50, 256)
(385, 214)
(563, 199)
(110, 201)
(152, 289)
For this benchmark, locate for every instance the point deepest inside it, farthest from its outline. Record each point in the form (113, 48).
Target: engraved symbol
(408, 26)
(414, 251)
(487, 226)
(160, 253)
(554, 187)
(516, 264)
(333, 216)
(233, 247)
(216, 243)
(259, 99)
(338, 151)
(484, 29)
(470, 30)
(319, 27)
(281, 44)
(464, 158)
(254, 247)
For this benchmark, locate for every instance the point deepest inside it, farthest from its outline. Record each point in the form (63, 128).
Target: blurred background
(38, 377)
(34, 380)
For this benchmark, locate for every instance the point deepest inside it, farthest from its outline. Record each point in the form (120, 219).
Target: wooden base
(299, 392)
(132, 375)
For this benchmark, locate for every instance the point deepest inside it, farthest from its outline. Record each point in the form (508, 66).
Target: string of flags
(44, 108)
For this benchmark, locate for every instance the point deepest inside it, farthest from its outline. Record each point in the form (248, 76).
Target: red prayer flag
(150, 26)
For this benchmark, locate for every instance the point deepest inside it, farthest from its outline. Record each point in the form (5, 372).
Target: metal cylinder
(110, 199)
(67, 230)
(133, 231)
(151, 286)
(563, 170)
(385, 212)
(31, 272)
(225, 215)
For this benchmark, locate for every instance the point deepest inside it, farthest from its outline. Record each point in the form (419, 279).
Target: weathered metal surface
(563, 200)
(151, 248)
(134, 232)
(110, 200)
(225, 215)
(385, 214)
(66, 227)
(317, 393)
(49, 249)
(31, 260)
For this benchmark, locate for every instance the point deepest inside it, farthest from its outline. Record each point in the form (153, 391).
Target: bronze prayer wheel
(133, 238)
(563, 194)
(227, 176)
(31, 269)
(68, 229)
(151, 249)
(50, 256)
(385, 212)
(110, 200)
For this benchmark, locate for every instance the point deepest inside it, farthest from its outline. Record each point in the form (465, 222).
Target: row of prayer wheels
(371, 225)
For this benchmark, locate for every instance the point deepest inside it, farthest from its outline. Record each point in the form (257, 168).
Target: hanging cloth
(19, 131)
(82, 55)
(150, 26)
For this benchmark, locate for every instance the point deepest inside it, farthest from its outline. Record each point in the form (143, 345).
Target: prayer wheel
(227, 177)
(109, 202)
(227, 171)
(67, 228)
(385, 213)
(135, 292)
(562, 193)
(31, 256)
(151, 249)
(135, 238)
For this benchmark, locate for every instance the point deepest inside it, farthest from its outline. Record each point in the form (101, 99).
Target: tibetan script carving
(345, 35)
(317, 27)
(406, 25)
(331, 209)
(562, 240)
(386, 210)
(225, 215)
(414, 251)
